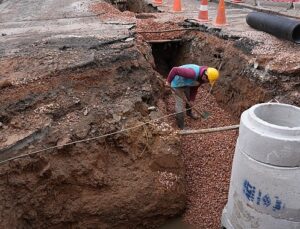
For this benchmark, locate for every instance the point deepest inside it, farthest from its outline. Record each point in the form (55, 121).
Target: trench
(167, 55)
(175, 53)
(133, 6)
(207, 158)
(214, 154)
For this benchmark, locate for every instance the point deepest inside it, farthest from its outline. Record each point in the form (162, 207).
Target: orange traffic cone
(221, 17)
(177, 5)
(158, 2)
(203, 12)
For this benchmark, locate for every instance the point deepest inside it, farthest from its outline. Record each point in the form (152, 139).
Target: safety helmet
(212, 75)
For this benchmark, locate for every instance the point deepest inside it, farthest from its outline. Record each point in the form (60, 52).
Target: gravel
(283, 55)
(208, 160)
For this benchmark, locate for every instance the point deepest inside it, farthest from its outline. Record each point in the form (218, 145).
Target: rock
(155, 115)
(129, 39)
(152, 108)
(82, 131)
(5, 83)
(116, 117)
(61, 142)
(126, 106)
(85, 111)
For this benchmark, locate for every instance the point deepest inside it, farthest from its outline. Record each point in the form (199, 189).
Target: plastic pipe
(279, 26)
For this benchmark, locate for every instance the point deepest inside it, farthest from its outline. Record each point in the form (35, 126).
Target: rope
(89, 139)
(102, 136)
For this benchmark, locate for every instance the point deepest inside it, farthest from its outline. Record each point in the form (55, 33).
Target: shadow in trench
(133, 6)
(166, 55)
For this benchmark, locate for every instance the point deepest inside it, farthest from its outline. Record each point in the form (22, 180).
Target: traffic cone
(158, 2)
(221, 17)
(177, 6)
(203, 12)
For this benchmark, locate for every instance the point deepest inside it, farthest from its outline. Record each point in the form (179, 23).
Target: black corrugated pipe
(279, 26)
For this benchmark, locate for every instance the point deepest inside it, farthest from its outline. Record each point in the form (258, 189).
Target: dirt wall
(132, 179)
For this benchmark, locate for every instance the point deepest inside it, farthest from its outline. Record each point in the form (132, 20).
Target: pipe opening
(296, 34)
(280, 115)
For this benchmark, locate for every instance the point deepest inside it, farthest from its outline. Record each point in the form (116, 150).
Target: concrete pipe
(264, 188)
(279, 26)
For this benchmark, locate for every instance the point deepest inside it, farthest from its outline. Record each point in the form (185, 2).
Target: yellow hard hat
(212, 75)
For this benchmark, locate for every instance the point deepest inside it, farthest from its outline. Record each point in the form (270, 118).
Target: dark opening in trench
(167, 55)
(133, 6)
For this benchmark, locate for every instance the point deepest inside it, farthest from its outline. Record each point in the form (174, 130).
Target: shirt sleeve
(183, 72)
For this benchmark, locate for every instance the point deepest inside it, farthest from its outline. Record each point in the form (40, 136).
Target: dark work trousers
(180, 104)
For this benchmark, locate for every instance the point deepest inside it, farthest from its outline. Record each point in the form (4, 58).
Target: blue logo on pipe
(260, 198)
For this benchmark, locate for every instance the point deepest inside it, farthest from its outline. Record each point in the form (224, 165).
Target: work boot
(190, 113)
(180, 120)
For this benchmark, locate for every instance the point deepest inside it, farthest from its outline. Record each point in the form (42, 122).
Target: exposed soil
(131, 179)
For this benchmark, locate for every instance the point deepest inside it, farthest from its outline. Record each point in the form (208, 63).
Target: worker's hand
(167, 84)
(192, 103)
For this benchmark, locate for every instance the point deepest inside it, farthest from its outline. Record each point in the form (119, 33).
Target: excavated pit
(86, 172)
(133, 6)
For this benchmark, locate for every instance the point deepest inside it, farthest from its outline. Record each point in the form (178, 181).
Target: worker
(186, 80)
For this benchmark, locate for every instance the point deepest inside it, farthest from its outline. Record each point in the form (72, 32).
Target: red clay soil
(132, 179)
(107, 11)
(207, 159)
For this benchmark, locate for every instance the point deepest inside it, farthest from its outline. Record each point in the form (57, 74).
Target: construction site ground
(87, 135)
